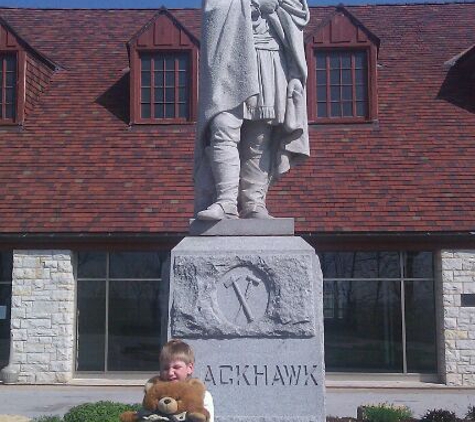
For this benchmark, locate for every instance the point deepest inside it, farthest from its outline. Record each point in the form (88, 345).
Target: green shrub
(470, 415)
(50, 418)
(102, 411)
(439, 415)
(385, 412)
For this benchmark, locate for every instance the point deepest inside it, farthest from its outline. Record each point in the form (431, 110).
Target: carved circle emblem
(243, 295)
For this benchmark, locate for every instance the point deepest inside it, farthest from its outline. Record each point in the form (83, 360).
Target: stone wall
(42, 317)
(458, 278)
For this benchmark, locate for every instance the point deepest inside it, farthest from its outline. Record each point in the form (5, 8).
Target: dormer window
(8, 84)
(342, 71)
(163, 73)
(22, 69)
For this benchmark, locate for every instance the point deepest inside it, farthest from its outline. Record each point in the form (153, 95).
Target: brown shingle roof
(77, 166)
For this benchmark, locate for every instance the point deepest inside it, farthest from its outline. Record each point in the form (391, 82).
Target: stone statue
(252, 124)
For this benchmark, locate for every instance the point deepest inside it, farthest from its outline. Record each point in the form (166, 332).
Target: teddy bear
(167, 401)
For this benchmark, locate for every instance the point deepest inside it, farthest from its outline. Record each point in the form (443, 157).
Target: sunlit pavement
(342, 398)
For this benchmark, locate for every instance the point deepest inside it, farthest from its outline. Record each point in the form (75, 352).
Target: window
(8, 82)
(379, 312)
(119, 311)
(6, 266)
(163, 72)
(342, 84)
(165, 86)
(341, 57)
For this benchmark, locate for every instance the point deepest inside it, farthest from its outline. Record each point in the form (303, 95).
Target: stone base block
(243, 227)
(251, 307)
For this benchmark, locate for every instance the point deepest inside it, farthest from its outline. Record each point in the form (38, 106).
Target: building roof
(76, 166)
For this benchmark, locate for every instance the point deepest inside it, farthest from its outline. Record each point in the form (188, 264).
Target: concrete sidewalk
(42, 400)
(342, 399)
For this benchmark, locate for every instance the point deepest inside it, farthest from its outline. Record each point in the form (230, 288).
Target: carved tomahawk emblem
(243, 298)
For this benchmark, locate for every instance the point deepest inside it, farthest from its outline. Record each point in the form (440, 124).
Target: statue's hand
(268, 6)
(251, 102)
(295, 111)
(294, 86)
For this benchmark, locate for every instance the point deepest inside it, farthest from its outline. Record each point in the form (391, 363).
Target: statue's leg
(225, 165)
(256, 161)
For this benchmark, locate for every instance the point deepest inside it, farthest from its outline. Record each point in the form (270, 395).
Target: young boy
(177, 363)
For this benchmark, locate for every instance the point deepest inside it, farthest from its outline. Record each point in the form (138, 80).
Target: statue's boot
(225, 165)
(256, 162)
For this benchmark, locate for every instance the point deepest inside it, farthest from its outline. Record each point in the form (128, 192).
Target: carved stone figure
(252, 124)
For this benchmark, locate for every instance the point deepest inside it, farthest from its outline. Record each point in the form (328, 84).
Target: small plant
(50, 418)
(439, 415)
(470, 415)
(385, 412)
(102, 411)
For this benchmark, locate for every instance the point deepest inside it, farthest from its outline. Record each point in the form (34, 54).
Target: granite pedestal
(251, 307)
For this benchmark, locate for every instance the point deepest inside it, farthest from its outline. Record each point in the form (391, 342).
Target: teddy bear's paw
(196, 417)
(129, 417)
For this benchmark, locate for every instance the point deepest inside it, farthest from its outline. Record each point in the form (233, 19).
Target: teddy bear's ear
(151, 382)
(148, 385)
(197, 384)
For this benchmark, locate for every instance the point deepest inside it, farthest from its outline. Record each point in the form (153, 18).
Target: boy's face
(176, 370)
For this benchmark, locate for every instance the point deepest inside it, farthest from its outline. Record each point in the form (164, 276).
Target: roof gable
(341, 27)
(10, 40)
(162, 31)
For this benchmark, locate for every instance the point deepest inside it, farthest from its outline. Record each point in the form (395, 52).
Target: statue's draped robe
(228, 76)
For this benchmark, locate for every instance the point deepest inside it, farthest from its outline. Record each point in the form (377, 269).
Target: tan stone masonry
(458, 278)
(42, 317)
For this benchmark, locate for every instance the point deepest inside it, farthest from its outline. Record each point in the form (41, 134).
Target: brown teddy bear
(171, 401)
